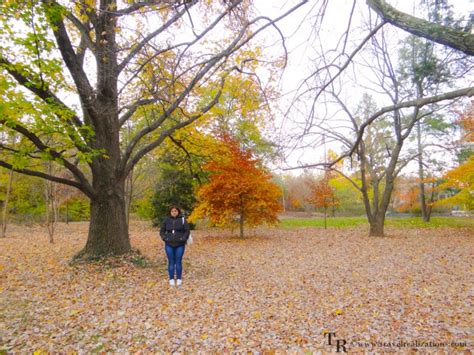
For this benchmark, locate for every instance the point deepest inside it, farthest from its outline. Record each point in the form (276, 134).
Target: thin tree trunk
(241, 222)
(5, 205)
(128, 195)
(50, 222)
(377, 223)
(325, 217)
(421, 175)
(283, 198)
(333, 205)
(431, 199)
(50, 214)
(50, 206)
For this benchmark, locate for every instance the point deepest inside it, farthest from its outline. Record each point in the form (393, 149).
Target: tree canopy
(239, 190)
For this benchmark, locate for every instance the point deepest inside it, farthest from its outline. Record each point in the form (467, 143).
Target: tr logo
(340, 343)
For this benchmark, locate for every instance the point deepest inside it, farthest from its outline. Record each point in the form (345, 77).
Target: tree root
(132, 258)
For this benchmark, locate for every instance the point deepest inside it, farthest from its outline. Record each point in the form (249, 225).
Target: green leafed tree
(75, 76)
(174, 187)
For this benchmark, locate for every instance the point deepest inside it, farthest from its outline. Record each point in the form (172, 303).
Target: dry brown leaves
(275, 291)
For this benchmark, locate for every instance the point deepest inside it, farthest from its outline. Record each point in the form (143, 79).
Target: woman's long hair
(174, 208)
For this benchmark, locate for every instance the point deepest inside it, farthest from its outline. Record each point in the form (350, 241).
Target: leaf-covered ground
(277, 290)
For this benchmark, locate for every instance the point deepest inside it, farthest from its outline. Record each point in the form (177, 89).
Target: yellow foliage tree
(462, 177)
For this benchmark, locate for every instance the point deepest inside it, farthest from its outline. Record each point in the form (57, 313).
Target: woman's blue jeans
(175, 260)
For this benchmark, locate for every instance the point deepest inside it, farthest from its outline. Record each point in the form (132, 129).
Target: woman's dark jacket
(181, 231)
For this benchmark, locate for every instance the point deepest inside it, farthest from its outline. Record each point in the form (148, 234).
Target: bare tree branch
(347, 178)
(142, 152)
(466, 92)
(137, 5)
(137, 48)
(86, 40)
(457, 39)
(81, 81)
(133, 108)
(180, 145)
(341, 68)
(47, 177)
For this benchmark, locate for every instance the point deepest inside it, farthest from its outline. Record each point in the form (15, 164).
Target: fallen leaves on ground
(278, 290)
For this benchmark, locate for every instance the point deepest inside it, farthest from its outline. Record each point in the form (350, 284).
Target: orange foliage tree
(322, 195)
(239, 190)
(466, 121)
(407, 196)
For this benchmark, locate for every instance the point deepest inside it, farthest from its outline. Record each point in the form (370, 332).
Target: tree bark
(325, 217)
(377, 224)
(128, 195)
(50, 202)
(241, 222)
(421, 175)
(457, 39)
(5, 205)
(241, 225)
(108, 230)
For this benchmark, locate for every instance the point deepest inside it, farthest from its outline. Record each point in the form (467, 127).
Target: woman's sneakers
(178, 282)
(172, 282)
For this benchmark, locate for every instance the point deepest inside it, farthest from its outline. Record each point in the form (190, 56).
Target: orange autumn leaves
(239, 189)
(322, 193)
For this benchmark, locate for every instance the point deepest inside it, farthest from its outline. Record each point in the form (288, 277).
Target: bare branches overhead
(454, 38)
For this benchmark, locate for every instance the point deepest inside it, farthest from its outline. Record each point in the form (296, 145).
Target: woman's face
(174, 212)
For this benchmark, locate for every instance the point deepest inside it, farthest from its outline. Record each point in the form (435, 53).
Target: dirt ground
(274, 291)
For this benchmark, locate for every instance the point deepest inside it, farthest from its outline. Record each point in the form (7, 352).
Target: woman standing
(175, 232)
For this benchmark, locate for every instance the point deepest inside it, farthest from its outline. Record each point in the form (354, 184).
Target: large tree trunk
(108, 229)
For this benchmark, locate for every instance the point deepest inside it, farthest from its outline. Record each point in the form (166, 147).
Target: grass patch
(435, 222)
(404, 222)
(333, 222)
